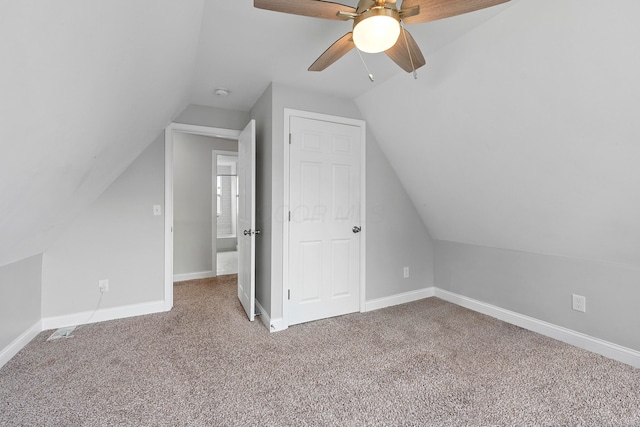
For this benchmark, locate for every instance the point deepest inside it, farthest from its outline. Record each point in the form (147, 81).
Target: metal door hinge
(288, 293)
(289, 139)
(289, 216)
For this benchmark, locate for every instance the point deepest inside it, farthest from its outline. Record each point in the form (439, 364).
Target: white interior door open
(247, 219)
(325, 189)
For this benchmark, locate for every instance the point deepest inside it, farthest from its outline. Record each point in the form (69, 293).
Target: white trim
(264, 317)
(272, 326)
(278, 325)
(215, 132)
(285, 217)
(168, 193)
(194, 276)
(168, 218)
(103, 314)
(18, 344)
(288, 113)
(378, 303)
(214, 213)
(596, 345)
(363, 216)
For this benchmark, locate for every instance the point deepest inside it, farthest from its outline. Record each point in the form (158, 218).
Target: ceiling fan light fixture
(376, 30)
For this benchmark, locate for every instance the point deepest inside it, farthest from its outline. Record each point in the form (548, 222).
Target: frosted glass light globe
(376, 33)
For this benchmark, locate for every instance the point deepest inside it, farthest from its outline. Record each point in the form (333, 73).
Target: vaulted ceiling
(519, 132)
(522, 134)
(84, 88)
(243, 49)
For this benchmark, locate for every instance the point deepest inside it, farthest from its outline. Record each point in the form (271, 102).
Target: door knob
(356, 229)
(247, 232)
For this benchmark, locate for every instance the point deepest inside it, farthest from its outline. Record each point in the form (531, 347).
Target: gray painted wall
(20, 302)
(117, 238)
(398, 236)
(192, 200)
(80, 101)
(540, 286)
(225, 244)
(499, 142)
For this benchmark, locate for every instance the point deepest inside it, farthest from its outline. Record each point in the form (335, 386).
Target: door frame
(168, 193)
(288, 113)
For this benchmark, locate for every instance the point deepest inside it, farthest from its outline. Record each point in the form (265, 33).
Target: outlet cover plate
(103, 285)
(579, 303)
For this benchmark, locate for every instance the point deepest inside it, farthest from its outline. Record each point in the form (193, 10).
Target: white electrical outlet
(405, 272)
(579, 303)
(103, 285)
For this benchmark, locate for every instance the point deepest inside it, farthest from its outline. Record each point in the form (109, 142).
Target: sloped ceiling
(244, 49)
(85, 86)
(520, 132)
(523, 133)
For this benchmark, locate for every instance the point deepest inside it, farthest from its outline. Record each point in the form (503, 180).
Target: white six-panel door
(324, 200)
(247, 219)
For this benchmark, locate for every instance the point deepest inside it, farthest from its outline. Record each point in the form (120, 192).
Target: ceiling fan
(377, 24)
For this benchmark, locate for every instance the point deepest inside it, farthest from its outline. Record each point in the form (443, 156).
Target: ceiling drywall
(85, 86)
(243, 49)
(523, 133)
(520, 132)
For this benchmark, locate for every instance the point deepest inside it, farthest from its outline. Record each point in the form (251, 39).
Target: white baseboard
(264, 317)
(596, 345)
(273, 325)
(103, 314)
(277, 325)
(16, 345)
(193, 276)
(402, 298)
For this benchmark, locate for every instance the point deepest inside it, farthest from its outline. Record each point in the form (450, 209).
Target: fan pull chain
(365, 65)
(404, 34)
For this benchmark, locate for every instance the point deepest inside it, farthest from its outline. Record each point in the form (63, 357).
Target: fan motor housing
(376, 11)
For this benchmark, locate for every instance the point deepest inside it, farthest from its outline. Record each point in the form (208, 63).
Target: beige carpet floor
(427, 363)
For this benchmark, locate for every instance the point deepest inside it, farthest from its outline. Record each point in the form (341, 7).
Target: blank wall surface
(19, 297)
(117, 238)
(540, 286)
(523, 134)
(85, 86)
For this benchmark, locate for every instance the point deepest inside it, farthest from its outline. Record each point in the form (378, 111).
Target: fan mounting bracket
(410, 11)
(346, 15)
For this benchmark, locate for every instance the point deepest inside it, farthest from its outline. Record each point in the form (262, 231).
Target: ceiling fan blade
(313, 8)
(336, 51)
(432, 10)
(399, 53)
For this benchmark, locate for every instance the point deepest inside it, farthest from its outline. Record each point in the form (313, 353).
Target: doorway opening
(172, 131)
(225, 165)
